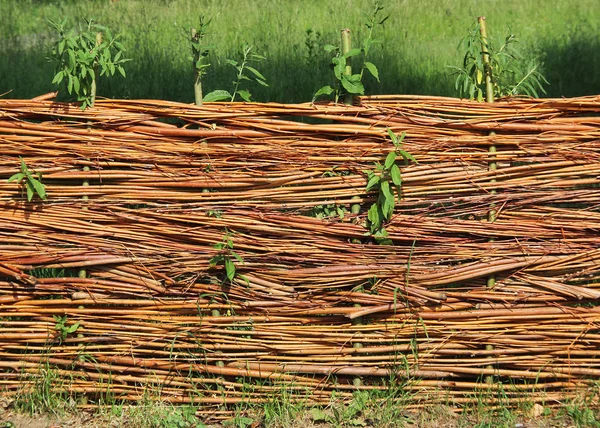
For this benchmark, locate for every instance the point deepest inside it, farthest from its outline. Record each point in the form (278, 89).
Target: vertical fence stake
(197, 72)
(346, 46)
(82, 273)
(93, 85)
(492, 165)
(349, 99)
(219, 363)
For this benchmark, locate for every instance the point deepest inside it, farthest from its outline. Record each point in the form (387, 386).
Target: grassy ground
(43, 405)
(287, 415)
(419, 42)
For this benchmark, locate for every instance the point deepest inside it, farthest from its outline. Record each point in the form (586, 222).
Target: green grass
(419, 42)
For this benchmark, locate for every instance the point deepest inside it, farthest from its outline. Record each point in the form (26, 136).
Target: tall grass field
(419, 43)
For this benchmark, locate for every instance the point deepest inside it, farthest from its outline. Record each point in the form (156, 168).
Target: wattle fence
(117, 282)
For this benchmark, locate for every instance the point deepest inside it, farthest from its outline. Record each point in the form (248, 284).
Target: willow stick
(349, 99)
(492, 165)
(346, 47)
(195, 36)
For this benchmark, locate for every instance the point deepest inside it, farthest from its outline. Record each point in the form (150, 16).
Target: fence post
(355, 208)
(93, 85)
(492, 165)
(346, 46)
(197, 71)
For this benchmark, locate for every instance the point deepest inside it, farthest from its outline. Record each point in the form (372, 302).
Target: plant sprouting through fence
(346, 81)
(63, 329)
(384, 179)
(31, 181)
(245, 72)
(510, 71)
(226, 256)
(81, 55)
(200, 51)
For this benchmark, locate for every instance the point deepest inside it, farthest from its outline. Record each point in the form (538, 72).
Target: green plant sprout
(200, 52)
(328, 211)
(226, 257)
(383, 180)
(510, 72)
(31, 181)
(244, 72)
(62, 328)
(348, 82)
(79, 57)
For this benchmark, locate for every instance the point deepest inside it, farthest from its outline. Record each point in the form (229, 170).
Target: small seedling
(200, 52)
(384, 179)
(328, 211)
(181, 417)
(344, 415)
(510, 71)
(31, 181)
(239, 421)
(244, 72)
(62, 328)
(352, 83)
(79, 57)
(226, 257)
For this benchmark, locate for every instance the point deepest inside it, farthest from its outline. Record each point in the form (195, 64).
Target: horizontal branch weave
(169, 181)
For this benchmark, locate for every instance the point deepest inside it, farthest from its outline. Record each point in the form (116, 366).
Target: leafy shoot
(31, 181)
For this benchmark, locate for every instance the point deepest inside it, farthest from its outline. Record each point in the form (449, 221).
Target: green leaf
(257, 57)
(121, 70)
(479, 95)
(372, 69)
(352, 87)
(39, 188)
(261, 82)
(119, 46)
(330, 48)
(373, 216)
(256, 72)
(325, 90)
(229, 269)
(373, 181)
(70, 84)
(218, 95)
(29, 192)
(386, 190)
(388, 200)
(215, 260)
(72, 61)
(76, 84)
(244, 94)
(73, 328)
(231, 62)
(318, 415)
(339, 67)
(393, 136)
(390, 159)
(352, 52)
(18, 177)
(395, 175)
(58, 77)
(407, 155)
